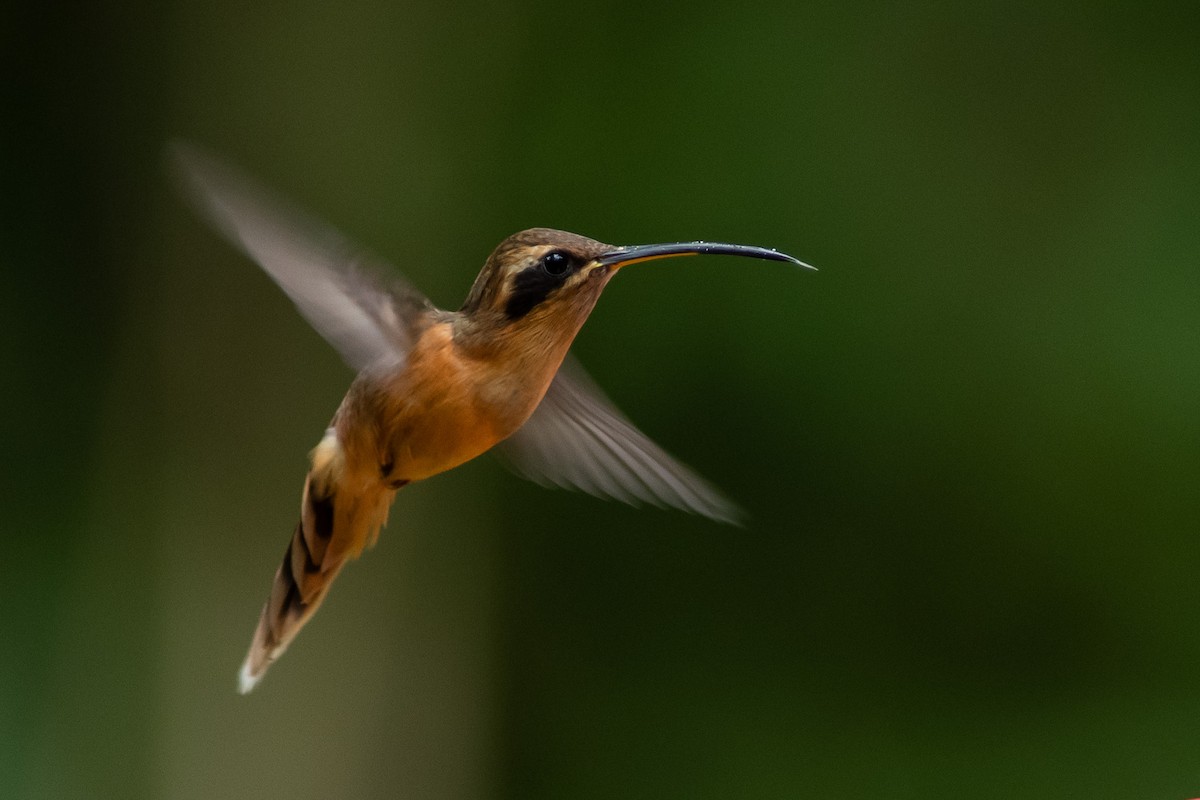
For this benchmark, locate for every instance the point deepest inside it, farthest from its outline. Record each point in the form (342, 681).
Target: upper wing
(577, 439)
(338, 287)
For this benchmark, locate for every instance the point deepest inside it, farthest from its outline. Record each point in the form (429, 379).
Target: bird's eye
(556, 263)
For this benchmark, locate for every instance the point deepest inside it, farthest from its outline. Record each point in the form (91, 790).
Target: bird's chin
(593, 284)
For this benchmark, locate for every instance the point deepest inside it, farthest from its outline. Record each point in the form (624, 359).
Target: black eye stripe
(530, 287)
(534, 284)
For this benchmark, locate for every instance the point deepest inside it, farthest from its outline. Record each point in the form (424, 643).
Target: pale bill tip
(784, 256)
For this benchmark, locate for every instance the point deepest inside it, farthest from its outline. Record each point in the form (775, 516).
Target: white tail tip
(247, 679)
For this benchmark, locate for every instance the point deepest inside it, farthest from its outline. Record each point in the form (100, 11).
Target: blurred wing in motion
(577, 439)
(337, 286)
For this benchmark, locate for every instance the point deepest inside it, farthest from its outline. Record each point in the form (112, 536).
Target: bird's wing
(577, 439)
(356, 301)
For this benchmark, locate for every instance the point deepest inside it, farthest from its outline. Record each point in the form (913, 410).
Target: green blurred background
(968, 445)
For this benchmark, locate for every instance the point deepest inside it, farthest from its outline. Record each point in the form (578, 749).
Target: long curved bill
(624, 256)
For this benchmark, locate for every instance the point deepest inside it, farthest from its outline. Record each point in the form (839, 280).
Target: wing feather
(577, 439)
(354, 300)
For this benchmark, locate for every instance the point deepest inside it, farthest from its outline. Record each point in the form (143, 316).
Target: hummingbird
(437, 388)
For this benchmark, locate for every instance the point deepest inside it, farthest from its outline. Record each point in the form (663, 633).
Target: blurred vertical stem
(74, 676)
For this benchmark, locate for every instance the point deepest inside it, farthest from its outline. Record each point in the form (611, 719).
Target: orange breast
(440, 409)
(433, 418)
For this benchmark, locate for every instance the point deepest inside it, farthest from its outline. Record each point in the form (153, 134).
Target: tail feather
(301, 583)
(333, 529)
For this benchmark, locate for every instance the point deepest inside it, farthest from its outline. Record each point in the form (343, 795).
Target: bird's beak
(624, 256)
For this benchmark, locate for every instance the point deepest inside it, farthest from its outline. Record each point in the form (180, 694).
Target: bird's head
(547, 278)
(539, 275)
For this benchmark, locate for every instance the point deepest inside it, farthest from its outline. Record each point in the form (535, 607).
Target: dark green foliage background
(969, 445)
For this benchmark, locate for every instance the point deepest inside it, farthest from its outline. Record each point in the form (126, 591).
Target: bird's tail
(334, 527)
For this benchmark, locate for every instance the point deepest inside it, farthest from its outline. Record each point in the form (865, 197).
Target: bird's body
(438, 388)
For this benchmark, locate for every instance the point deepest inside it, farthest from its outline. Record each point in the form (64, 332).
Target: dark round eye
(556, 263)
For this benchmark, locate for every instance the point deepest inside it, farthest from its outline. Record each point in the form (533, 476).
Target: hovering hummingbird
(437, 388)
